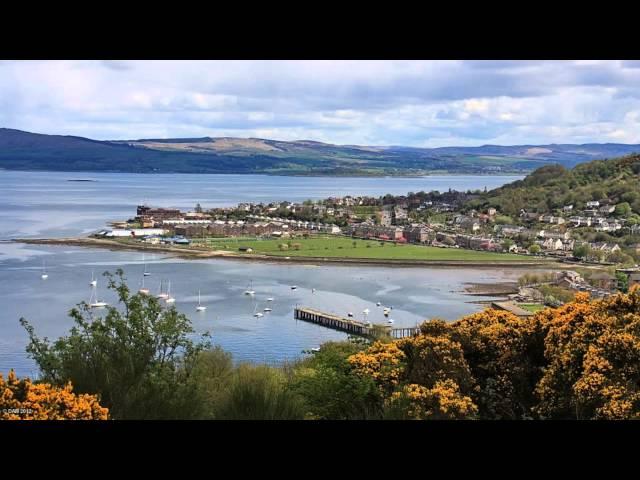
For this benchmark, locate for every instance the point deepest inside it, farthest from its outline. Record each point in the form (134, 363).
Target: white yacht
(44, 275)
(93, 281)
(390, 320)
(249, 290)
(200, 308)
(145, 273)
(143, 290)
(266, 309)
(258, 314)
(366, 311)
(169, 298)
(293, 287)
(162, 295)
(270, 299)
(93, 300)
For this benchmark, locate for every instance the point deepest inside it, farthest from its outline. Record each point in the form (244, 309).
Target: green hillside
(30, 151)
(552, 187)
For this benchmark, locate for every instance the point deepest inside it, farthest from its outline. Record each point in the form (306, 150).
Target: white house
(553, 244)
(137, 232)
(607, 209)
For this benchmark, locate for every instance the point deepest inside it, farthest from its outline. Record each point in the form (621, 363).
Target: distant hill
(30, 151)
(552, 187)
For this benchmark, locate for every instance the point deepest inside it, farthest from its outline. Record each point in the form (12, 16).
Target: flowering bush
(579, 361)
(382, 361)
(442, 402)
(24, 400)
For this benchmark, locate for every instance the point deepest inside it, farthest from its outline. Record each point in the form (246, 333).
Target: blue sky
(413, 103)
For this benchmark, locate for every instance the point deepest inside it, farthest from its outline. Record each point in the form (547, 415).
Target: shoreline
(271, 174)
(192, 253)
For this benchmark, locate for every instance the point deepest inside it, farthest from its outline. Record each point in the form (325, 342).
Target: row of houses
(473, 242)
(416, 233)
(300, 224)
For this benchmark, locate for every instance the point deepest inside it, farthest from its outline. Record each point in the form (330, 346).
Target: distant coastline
(283, 174)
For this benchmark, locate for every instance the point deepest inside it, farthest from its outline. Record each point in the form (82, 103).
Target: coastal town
(401, 220)
(422, 219)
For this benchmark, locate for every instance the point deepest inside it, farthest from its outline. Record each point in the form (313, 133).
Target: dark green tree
(138, 358)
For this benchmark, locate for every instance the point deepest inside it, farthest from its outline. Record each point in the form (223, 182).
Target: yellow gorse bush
(581, 360)
(21, 399)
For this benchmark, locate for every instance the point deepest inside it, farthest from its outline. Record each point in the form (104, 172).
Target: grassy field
(342, 247)
(531, 307)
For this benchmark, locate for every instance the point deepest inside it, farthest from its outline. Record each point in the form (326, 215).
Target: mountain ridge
(21, 150)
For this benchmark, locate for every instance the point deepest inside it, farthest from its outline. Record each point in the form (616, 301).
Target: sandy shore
(194, 252)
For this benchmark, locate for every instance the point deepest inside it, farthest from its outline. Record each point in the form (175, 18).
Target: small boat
(266, 309)
(93, 300)
(293, 287)
(270, 299)
(258, 314)
(162, 295)
(93, 281)
(200, 308)
(386, 312)
(366, 311)
(313, 290)
(390, 320)
(350, 314)
(44, 275)
(378, 304)
(315, 350)
(249, 290)
(143, 290)
(145, 273)
(169, 298)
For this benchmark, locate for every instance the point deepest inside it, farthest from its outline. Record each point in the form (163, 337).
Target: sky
(410, 103)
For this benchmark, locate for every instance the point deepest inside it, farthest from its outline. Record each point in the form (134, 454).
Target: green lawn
(342, 247)
(532, 307)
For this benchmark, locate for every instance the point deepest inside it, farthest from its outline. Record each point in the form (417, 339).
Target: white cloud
(420, 103)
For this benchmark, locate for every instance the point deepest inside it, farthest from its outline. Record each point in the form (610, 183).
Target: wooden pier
(354, 327)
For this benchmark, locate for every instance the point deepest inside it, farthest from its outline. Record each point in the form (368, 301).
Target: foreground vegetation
(579, 361)
(344, 247)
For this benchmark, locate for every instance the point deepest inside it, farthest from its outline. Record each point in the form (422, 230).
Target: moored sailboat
(145, 273)
(93, 300)
(169, 298)
(162, 295)
(143, 290)
(200, 307)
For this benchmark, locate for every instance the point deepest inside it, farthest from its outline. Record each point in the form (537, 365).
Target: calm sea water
(44, 204)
